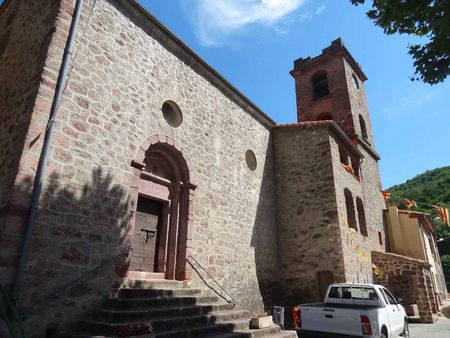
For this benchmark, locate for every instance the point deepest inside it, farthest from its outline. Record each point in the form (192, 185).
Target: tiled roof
(303, 124)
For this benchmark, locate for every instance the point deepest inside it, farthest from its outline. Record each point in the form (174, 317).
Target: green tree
(424, 18)
(445, 260)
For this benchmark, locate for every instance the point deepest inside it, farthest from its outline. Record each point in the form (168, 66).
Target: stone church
(153, 149)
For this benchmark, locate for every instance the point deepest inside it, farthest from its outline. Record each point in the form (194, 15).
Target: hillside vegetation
(431, 187)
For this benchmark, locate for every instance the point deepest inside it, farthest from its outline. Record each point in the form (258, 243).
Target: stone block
(412, 310)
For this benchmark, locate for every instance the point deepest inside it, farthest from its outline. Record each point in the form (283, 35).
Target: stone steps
(153, 284)
(145, 303)
(159, 312)
(157, 293)
(171, 311)
(206, 330)
(165, 324)
(236, 330)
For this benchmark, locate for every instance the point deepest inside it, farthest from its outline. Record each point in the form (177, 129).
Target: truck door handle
(328, 316)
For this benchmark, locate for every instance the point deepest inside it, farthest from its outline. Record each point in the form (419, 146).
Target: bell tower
(330, 86)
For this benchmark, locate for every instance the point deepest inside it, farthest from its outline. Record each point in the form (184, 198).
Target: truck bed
(332, 320)
(343, 306)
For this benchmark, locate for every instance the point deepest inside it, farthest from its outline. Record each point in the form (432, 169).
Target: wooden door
(147, 229)
(324, 279)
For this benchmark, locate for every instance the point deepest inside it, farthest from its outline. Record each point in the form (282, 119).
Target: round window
(250, 158)
(172, 113)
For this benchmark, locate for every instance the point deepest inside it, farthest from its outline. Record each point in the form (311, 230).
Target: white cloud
(304, 17)
(215, 19)
(281, 30)
(320, 10)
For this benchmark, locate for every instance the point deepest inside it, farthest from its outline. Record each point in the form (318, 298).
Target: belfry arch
(162, 220)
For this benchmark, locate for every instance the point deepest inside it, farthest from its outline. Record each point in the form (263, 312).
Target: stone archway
(162, 222)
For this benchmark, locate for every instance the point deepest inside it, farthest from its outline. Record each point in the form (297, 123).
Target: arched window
(355, 82)
(343, 156)
(324, 116)
(320, 84)
(350, 207)
(362, 124)
(355, 166)
(361, 217)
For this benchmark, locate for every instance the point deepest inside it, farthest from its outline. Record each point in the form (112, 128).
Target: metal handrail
(209, 275)
(14, 322)
(31, 309)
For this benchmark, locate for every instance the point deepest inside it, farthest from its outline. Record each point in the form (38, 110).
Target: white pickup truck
(353, 310)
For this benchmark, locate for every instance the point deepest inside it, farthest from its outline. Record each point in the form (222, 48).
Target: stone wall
(27, 37)
(358, 102)
(337, 103)
(345, 103)
(357, 246)
(407, 278)
(309, 234)
(356, 251)
(125, 68)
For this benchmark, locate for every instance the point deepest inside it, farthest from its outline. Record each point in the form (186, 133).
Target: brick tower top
(330, 86)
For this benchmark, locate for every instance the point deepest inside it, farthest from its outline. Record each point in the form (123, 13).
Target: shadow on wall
(78, 227)
(22, 59)
(265, 239)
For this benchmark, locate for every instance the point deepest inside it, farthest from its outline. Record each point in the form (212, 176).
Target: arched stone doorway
(162, 221)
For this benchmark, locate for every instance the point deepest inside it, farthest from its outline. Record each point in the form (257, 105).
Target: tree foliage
(445, 260)
(424, 18)
(433, 188)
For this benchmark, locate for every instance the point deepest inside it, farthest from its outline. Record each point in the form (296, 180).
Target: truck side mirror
(400, 300)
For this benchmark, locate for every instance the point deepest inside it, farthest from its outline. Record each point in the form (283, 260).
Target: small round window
(250, 158)
(172, 113)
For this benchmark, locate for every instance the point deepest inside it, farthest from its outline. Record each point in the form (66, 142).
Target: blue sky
(253, 43)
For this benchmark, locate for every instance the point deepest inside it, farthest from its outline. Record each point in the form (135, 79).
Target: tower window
(355, 166)
(343, 156)
(362, 124)
(350, 207)
(355, 82)
(320, 84)
(361, 217)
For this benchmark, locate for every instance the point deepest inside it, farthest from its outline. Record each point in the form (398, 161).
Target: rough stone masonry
(263, 207)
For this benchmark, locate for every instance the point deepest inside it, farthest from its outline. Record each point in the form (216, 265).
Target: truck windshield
(335, 292)
(354, 295)
(369, 294)
(351, 292)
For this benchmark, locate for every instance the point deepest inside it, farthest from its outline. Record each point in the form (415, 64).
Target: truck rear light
(296, 318)
(365, 325)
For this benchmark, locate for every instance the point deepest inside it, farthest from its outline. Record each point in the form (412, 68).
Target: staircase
(166, 309)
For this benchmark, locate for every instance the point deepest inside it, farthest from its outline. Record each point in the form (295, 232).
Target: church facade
(154, 150)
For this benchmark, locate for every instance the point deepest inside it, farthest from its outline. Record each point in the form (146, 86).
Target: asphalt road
(440, 329)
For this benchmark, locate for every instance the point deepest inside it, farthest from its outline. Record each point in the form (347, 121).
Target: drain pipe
(42, 166)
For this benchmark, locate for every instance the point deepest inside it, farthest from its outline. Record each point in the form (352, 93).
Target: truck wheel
(405, 332)
(384, 333)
